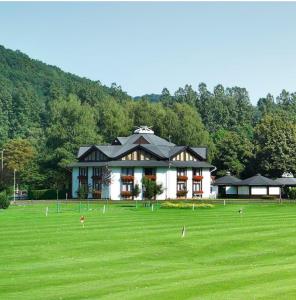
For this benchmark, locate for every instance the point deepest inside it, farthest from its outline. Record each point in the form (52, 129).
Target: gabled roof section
(200, 151)
(259, 180)
(227, 180)
(82, 150)
(287, 181)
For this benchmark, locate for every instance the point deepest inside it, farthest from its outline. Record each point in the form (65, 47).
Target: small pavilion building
(254, 187)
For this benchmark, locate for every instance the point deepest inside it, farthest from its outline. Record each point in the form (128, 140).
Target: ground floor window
(197, 189)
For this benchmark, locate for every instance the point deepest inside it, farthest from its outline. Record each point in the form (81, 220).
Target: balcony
(127, 178)
(97, 177)
(126, 194)
(182, 178)
(97, 194)
(200, 192)
(197, 178)
(150, 177)
(182, 193)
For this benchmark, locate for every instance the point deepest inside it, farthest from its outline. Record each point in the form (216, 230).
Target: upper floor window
(83, 171)
(196, 172)
(95, 156)
(127, 171)
(181, 172)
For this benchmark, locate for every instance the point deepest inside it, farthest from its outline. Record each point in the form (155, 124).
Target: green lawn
(130, 253)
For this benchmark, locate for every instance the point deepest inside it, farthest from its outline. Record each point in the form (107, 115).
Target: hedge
(48, 194)
(4, 201)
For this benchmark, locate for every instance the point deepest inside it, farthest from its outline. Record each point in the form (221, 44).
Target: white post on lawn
(14, 185)
(152, 207)
(193, 206)
(46, 211)
(104, 209)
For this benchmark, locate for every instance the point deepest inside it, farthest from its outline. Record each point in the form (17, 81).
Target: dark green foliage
(292, 193)
(4, 201)
(151, 188)
(56, 112)
(136, 191)
(46, 194)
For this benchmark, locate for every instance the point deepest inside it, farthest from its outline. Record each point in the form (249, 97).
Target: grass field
(130, 253)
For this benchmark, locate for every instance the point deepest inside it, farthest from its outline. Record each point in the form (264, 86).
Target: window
(97, 171)
(150, 171)
(127, 171)
(196, 186)
(181, 172)
(196, 171)
(83, 171)
(127, 187)
(181, 186)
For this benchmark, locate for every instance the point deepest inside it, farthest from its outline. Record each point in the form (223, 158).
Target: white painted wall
(243, 190)
(274, 190)
(75, 182)
(258, 190)
(214, 193)
(231, 190)
(171, 183)
(161, 174)
(115, 183)
(206, 183)
(89, 181)
(138, 174)
(189, 183)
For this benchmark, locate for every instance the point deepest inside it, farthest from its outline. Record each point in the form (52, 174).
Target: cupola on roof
(144, 129)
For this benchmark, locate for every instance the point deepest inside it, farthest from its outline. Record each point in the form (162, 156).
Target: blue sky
(147, 46)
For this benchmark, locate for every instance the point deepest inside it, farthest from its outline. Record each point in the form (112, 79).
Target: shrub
(45, 194)
(269, 197)
(292, 193)
(4, 201)
(185, 205)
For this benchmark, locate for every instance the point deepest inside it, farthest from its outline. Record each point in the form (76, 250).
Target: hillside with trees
(47, 114)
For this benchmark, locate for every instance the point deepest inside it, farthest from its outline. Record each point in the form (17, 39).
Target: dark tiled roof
(156, 145)
(227, 180)
(144, 163)
(287, 181)
(259, 180)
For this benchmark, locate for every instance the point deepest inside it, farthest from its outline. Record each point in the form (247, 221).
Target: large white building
(113, 171)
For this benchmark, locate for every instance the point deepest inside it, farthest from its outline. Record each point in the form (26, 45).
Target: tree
(18, 154)
(275, 142)
(71, 124)
(151, 188)
(136, 191)
(233, 152)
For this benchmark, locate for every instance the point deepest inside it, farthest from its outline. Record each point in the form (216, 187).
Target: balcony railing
(127, 178)
(197, 192)
(182, 193)
(97, 177)
(182, 178)
(97, 194)
(126, 193)
(197, 178)
(151, 177)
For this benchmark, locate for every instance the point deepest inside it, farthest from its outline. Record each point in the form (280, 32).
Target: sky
(145, 47)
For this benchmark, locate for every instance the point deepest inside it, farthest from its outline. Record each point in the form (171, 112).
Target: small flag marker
(82, 219)
(183, 232)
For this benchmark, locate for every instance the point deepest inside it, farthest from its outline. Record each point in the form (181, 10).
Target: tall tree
(275, 142)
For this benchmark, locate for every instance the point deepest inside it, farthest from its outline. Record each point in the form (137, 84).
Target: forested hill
(46, 114)
(27, 86)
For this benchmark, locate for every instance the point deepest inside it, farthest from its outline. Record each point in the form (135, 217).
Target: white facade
(165, 176)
